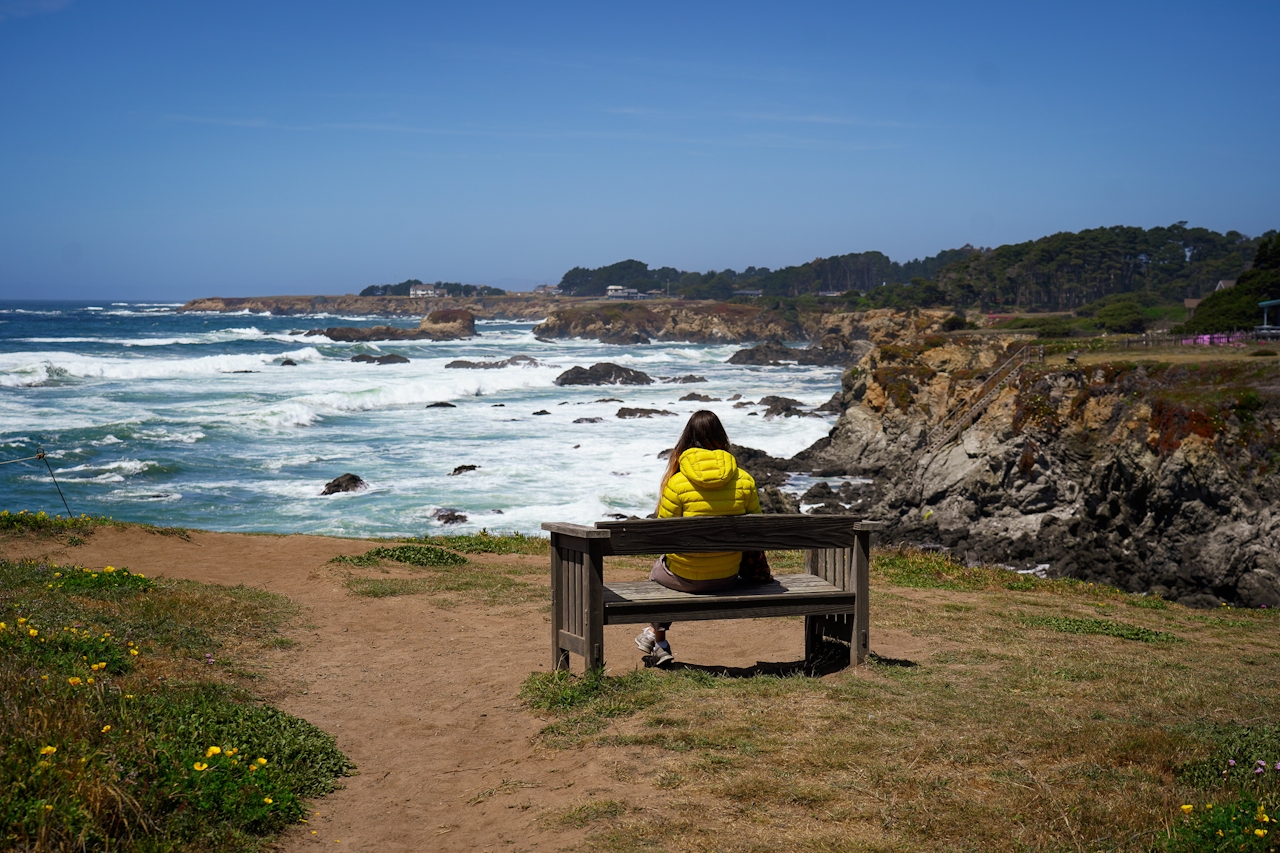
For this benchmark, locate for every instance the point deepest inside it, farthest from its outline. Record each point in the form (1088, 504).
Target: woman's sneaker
(662, 654)
(646, 640)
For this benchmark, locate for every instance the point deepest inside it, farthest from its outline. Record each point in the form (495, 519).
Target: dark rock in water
(391, 359)
(771, 352)
(244, 371)
(364, 358)
(288, 362)
(462, 469)
(498, 406)
(736, 397)
(610, 400)
(345, 483)
(443, 405)
(694, 397)
(683, 380)
(542, 412)
(514, 361)
(604, 373)
(742, 404)
(819, 493)
(624, 338)
(766, 470)
(625, 412)
(616, 515)
(784, 406)
(448, 516)
(588, 420)
(774, 501)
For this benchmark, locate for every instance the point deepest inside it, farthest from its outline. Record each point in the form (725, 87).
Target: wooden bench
(831, 595)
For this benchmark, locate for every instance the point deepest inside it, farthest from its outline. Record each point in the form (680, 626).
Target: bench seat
(786, 595)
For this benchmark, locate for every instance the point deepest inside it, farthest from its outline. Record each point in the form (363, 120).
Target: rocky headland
(445, 325)
(511, 307)
(1154, 477)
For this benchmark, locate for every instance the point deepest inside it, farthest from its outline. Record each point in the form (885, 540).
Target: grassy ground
(124, 720)
(1046, 715)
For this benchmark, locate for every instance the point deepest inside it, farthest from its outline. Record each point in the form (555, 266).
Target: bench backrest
(731, 533)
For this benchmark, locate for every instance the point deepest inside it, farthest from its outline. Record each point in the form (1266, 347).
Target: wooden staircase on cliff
(968, 411)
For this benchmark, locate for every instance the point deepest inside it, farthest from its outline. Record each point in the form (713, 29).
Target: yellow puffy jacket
(709, 482)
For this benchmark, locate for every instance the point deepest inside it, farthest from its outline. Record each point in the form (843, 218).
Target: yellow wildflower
(267, 800)
(44, 678)
(262, 761)
(33, 632)
(1187, 809)
(133, 651)
(48, 807)
(1260, 832)
(106, 728)
(73, 681)
(201, 766)
(128, 695)
(22, 620)
(48, 750)
(110, 569)
(252, 767)
(212, 751)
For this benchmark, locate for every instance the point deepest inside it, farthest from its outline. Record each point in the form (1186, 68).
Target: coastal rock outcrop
(604, 373)
(834, 350)
(448, 325)
(514, 361)
(631, 323)
(1153, 478)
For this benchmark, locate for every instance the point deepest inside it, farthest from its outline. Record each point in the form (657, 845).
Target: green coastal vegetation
(1119, 279)
(452, 288)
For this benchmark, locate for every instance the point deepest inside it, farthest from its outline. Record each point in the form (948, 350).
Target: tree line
(452, 288)
(1060, 272)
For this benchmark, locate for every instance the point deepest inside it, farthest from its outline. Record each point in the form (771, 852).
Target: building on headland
(1191, 305)
(617, 291)
(424, 291)
(1225, 284)
(547, 290)
(750, 294)
(1269, 329)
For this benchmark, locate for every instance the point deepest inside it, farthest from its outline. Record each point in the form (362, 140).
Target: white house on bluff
(424, 291)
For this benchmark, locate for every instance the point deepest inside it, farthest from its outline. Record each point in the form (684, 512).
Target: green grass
(119, 729)
(1103, 627)
(24, 521)
(413, 555)
(490, 543)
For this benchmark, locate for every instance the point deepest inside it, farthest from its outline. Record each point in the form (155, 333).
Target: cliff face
(630, 323)
(447, 325)
(485, 308)
(1150, 477)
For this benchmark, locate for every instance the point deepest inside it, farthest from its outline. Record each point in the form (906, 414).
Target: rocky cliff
(1150, 477)
(451, 324)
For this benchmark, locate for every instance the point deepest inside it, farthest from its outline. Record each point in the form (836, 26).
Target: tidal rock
(443, 405)
(683, 380)
(589, 420)
(345, 483)
(774, 501)
(624, 337)
(604, 373)
(447, 325)
(462, 469)
(610, 400)
(766, 470)
(448, 516)
(768, 353)
(391, 359)
(626, 412)
(288, 362)
(694, 397)
(514, 361)
(542, 412)
(364, 358)
(784, 406)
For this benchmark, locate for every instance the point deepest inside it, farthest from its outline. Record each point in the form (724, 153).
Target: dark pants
(663, 575)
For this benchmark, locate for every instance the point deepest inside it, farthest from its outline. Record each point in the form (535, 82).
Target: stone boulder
(604, 373)
(626, 412)
(774, 501)
(514, 361)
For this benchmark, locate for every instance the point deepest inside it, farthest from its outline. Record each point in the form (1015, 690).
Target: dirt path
(422, 698)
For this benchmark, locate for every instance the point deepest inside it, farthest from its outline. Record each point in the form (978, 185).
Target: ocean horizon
(152, 415)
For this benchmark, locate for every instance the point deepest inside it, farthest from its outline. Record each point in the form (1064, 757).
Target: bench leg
(559, 656)
(593, 606)
(827, 641)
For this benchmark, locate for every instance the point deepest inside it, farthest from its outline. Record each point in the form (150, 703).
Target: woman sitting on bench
(702, 478)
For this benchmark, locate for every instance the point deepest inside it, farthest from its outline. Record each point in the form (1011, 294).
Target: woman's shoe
(646, 640)
(662, 654)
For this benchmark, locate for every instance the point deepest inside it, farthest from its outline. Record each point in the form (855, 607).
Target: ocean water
(189, 420)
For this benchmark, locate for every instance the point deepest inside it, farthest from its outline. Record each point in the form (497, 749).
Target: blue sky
(174, 150)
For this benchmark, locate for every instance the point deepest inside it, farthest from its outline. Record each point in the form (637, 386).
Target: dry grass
(1046, 716)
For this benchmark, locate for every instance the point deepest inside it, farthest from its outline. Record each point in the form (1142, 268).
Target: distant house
(1191, 305)
(831, 293)
(424, 291)
(1225, 284)
(1267, 329)
(617, 291)
(750, 294)
(547, 289)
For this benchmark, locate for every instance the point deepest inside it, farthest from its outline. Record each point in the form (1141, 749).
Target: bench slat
(733, 533)
(787, 595)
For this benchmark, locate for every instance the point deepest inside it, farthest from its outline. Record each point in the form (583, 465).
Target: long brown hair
(703, 430)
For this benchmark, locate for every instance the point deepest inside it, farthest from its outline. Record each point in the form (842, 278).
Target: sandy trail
(422, 698)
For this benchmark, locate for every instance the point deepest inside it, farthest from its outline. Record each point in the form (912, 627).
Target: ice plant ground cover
(121, 727)
(1037, 715)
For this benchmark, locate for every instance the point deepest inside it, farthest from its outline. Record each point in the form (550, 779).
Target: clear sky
(171, 150)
